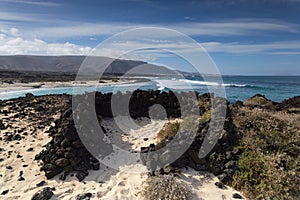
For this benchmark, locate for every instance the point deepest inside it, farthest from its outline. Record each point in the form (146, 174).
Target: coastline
(18, 87)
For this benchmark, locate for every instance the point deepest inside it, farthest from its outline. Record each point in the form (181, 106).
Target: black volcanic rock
(293, 102)
(44, 194)
(65, 152)
(224, 168)
(85, 196)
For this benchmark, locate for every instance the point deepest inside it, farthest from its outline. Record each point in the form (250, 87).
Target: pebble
(5, 192)
(237, 196)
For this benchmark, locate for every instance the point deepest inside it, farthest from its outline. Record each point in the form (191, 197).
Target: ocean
(276, 88)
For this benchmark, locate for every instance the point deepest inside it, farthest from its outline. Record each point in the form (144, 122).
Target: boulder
(44, 194)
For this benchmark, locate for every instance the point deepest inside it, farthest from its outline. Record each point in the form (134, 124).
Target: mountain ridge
(72, 63)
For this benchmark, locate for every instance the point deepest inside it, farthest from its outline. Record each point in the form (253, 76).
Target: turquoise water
(276, 88)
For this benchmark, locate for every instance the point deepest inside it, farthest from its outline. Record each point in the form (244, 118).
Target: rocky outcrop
(290, 103)
(44, 194)
(65, 152)
(260, 101)
(221, 160)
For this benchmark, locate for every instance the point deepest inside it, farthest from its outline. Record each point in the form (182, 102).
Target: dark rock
(2, 127)
(167, 169)
(69, 155)
(230, 164)
(30, 149)
(50, 174)
(4, 192)
(21, 178)
(224, 178)
(49, 167)
(62, 162)
(230, 172)
(9, 167)
(40, 184)
(237, 196)
(216, 170)
(80, 175)
(293, 102)
(29, 95)
(146, 139)
(77, 144)
(63, 176)
(95, 165)
(75, 161)
(65, 143)
(236, 151)
(86, 196)
(44, 194)
(220, 185)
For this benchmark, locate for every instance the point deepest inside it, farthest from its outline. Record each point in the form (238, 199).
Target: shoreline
(19, 87)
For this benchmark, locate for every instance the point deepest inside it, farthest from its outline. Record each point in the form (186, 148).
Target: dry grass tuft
(165, 187)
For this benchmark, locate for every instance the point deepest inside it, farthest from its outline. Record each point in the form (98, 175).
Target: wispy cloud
(217, 28)
(226, 28)
(20, 17)
(235, 27)
(282, 47)
(35, 3)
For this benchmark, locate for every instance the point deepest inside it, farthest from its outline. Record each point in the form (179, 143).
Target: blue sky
(247, 37)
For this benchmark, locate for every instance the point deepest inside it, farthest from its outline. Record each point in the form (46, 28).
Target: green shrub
(168, 131)
(269, 167)
(206, 116)
(263, 176)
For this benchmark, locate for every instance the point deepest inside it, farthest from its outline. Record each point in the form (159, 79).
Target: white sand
(105, 183)
(5, 87)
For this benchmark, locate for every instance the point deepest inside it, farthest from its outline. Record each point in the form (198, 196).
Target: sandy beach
(6, 87)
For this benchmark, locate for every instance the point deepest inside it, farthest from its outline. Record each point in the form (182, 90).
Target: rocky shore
(38, 135)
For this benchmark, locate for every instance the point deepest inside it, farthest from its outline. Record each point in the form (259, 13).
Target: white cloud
(36, 3)
(10, 32)
(11, 43)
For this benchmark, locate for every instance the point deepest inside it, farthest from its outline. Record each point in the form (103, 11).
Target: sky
(242, 37)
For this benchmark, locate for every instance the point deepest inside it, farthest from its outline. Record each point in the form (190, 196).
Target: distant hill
(71, 64)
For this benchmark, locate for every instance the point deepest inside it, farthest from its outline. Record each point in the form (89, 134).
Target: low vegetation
(166, 187)
(169, 130)
(269, 167)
